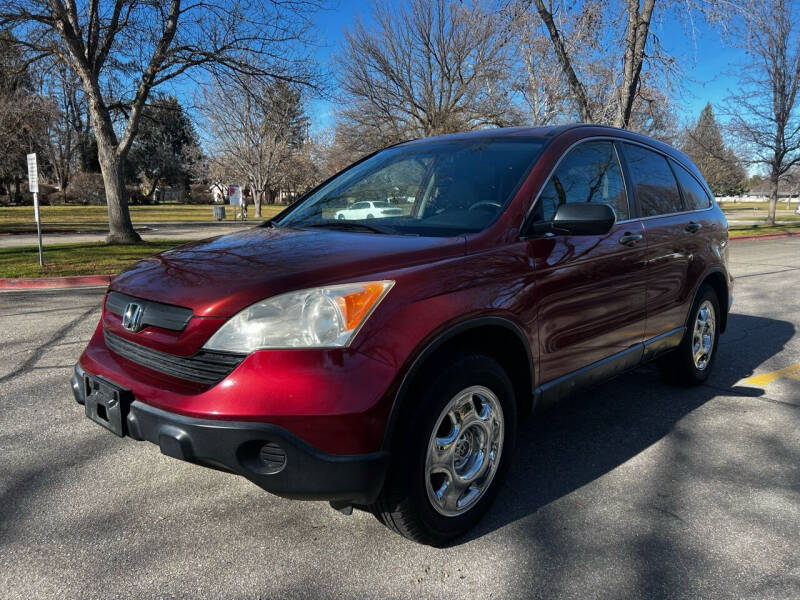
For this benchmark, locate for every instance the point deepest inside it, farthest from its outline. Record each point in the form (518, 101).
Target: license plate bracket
(107, 404)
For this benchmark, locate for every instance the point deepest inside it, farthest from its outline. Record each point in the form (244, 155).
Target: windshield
(439, 188)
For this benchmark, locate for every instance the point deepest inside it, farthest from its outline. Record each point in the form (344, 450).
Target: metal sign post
(33, 186)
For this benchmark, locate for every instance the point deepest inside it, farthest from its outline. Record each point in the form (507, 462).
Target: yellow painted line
(790, 372)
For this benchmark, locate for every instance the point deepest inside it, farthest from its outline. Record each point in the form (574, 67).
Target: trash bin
(219, 213)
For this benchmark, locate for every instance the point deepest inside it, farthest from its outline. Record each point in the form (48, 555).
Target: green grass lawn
(76, 259)
(20, 218)
(734, 206)
(738, 231)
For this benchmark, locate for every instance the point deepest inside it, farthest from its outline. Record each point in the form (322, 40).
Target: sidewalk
(96, 232)
(748, 222)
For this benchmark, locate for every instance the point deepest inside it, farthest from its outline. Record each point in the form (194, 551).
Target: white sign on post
(33, 186)
(234, 195)
(33, 174)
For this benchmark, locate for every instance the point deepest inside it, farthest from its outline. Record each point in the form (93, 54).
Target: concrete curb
(47, 283)
(765, 236)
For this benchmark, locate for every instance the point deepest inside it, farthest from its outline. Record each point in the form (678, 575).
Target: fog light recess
(273, 458)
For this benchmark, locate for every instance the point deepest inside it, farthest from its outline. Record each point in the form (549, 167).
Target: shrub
(199, 194)
(86, 188)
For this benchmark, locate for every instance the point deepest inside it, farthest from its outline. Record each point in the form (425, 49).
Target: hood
(221, 276)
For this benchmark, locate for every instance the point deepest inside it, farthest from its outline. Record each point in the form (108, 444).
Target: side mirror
(583, 218)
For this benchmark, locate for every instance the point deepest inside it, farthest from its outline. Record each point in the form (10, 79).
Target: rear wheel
(454, 449)
(690, 363)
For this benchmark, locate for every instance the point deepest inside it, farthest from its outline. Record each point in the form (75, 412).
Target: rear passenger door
(669, 238)
(591, 288)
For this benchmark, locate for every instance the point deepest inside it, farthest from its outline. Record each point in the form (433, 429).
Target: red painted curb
(765, 236)
(42, 283)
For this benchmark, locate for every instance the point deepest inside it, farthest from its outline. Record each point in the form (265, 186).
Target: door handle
(693, 227)
(630, 239)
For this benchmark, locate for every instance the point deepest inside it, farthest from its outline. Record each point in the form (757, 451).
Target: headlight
(321, 317)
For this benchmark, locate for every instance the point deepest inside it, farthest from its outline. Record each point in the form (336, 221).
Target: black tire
(678, 366)
(404, 505)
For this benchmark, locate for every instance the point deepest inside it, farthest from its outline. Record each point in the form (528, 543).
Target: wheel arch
(497, 336)
(717, 279)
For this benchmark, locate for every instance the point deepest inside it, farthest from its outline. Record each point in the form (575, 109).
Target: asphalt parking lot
(634, 489)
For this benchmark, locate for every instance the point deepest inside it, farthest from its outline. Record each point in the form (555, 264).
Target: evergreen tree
(718, 163)
(165, 148)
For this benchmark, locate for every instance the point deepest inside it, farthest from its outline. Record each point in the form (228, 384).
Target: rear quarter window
(694, 195)
(653, 182)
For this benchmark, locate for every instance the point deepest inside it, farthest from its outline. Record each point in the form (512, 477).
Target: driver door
(591, 287)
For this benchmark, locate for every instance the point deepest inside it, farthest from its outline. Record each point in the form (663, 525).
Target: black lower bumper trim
(266, 454)
(307, 473)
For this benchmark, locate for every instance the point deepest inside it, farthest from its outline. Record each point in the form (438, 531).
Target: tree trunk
(773, 197)
(149, 194)
(120, 227)
(575, 85)
(638, 29)
(112, 167)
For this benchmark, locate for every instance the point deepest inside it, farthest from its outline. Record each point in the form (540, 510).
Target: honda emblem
(132, 317)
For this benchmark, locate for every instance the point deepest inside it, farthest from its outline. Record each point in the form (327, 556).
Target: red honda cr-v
(385, 362)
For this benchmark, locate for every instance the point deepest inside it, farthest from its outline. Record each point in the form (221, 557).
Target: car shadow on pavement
(599, 429)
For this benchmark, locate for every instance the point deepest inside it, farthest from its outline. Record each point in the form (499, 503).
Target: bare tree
(69, 131)
(764, 114)
(539, 80)
(429, 67)
(627, 82)
(24, 114)
(256, 135)
(122, 49)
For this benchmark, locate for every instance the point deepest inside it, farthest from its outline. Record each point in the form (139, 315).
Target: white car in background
(368, 210)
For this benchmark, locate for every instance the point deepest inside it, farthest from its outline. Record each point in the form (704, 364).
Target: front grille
(157, 314)
(202, 367)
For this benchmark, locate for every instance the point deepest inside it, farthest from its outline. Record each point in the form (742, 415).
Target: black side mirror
(583, 218)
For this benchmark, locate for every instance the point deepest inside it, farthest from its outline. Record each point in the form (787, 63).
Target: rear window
(653, 182)
(694, 195)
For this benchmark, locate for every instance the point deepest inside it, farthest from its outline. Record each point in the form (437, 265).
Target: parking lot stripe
(791, 372)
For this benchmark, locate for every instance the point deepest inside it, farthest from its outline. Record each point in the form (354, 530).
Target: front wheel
(455, 447)
(690, 363)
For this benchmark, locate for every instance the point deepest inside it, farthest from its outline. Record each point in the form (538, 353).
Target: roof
(549, 132)
(502, 132)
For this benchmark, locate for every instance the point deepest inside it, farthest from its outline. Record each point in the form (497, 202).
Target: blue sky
(703, 58)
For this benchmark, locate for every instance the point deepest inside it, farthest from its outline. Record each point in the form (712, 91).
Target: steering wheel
(485, 204)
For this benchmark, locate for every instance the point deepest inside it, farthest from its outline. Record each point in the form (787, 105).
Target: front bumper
(266, 454)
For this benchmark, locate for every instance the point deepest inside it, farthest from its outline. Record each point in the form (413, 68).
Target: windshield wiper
(342, 224)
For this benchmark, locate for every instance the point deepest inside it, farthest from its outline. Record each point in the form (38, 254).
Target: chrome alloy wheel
(464, 450)
(703, 335)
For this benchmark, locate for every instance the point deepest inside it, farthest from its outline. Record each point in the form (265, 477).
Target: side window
(653, 181)
(589, 173)
(694, 194)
